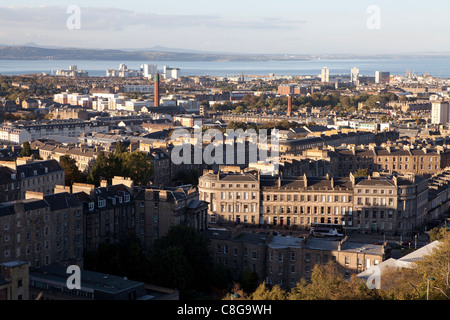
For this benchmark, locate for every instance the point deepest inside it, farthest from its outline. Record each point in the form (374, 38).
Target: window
(101, 203)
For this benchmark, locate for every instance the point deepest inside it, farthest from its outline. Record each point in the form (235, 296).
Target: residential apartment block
(108, 213)
(112, 212)
(42, 230)
(23, 175)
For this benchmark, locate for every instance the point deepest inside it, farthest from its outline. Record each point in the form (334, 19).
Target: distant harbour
(435, 66)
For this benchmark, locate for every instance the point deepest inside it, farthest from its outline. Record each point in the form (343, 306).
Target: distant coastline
(41, 53)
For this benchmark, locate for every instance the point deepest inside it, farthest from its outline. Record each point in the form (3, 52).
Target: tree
(120, 149)
(438, 233)
(239, 109)
(123, 258)
(26, 150)
(264, 293)
(361, 172)
(186, 177)
(71, 172)
(138, 167)
(400, 284)
(135, 165)
(248, 280)
(101, 169)
(328, 283)
(436, 265)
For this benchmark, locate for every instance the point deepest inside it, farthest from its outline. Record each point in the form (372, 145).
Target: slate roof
(5, 175)
(90, 280)
(59, 201)
(39, 166)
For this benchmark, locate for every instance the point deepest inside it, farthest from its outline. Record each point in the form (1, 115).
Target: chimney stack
(289, 110)
(156, 91)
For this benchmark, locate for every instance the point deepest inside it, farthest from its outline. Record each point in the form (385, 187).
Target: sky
(240, 26)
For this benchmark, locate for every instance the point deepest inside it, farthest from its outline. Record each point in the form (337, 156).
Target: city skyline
(285, 27)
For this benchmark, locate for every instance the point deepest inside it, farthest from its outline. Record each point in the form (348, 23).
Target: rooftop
(90, 281)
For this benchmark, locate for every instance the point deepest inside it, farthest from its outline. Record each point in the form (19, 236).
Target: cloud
(114, 19)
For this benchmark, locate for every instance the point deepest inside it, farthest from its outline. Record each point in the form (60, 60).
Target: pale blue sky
(249, 26)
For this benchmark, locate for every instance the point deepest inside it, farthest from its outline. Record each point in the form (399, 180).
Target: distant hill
(41, 53)
(31, 51)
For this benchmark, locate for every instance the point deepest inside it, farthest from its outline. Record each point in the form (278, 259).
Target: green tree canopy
(71, 171)
(436, 265)
(135, 165)
(26, 150)
(138, 167)
(362, 172)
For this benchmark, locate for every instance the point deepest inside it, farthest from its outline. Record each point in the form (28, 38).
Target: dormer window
(127, 198)
(101, 203)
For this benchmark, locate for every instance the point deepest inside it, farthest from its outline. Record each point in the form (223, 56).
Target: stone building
(418, 160)
(109, 212)
(290, 259)
(42, 230)
(14, 280)
(160, 208)
(238, 251)
(113, 212)
(21, 175)
(378, 203)
(285, 260)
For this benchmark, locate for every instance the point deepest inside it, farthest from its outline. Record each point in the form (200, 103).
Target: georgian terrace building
(418, 160)
(388, 204)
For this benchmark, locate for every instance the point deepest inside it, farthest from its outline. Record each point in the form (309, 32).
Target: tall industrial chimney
(289, 110)
(156, 91)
